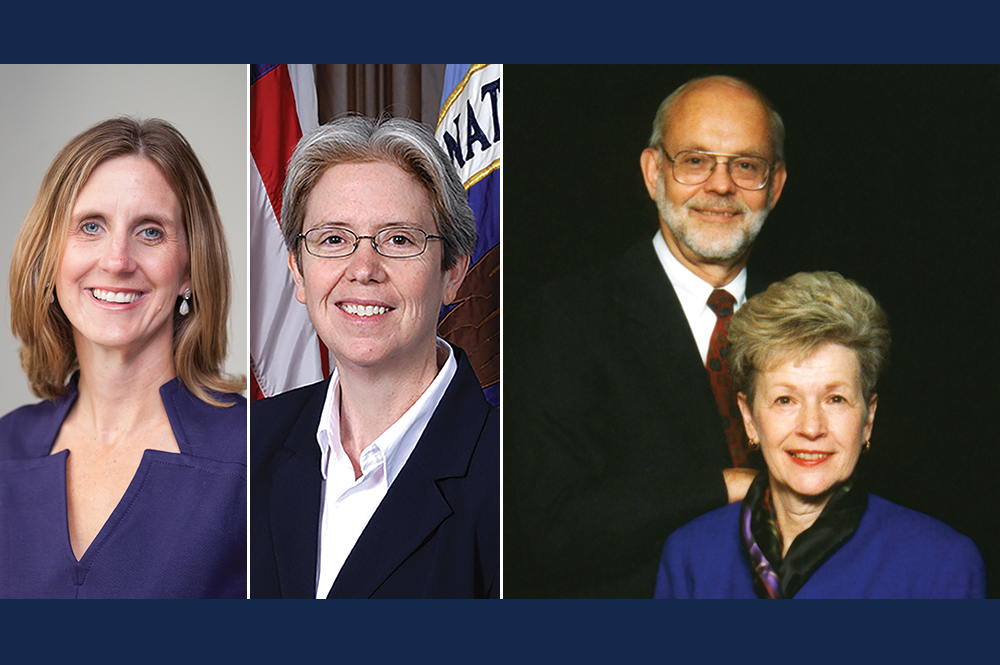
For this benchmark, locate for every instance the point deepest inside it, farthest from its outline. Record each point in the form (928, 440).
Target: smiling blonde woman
(805, 356)
(129, 480)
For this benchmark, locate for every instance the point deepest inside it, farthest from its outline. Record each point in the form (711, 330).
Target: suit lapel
(664, 344)
(663, 336)
(295, 502)
(414, 506)
(410, 512)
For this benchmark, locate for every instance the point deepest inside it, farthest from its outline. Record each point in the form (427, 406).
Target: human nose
(119, 255)
(366, 264)
(720, 181)
(812, 421)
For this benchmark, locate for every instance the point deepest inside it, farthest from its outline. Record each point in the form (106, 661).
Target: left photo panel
(123, 440)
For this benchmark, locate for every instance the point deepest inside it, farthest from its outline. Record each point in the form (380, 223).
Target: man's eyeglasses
(398, 242)
(693, 167)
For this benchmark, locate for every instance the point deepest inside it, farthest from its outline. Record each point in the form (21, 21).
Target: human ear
(453, 278)
(741, 400)
(649, 162)
(777, 182)
(300, 289)
(870, 421)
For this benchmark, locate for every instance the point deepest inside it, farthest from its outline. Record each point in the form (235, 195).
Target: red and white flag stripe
(285, 351)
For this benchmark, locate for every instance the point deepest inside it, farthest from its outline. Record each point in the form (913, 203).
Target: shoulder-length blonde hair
(48, 354)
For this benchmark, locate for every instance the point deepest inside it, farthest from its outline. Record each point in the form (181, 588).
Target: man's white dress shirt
(693, 292)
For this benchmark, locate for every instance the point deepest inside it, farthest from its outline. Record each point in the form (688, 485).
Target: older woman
(129, 480)
(805, 357)
(383, 480)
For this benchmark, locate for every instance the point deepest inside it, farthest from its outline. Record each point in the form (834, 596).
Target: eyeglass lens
(397, 242)
(693, 168)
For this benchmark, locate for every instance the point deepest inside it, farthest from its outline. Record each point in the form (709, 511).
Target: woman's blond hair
(48, 354)
(794, 317)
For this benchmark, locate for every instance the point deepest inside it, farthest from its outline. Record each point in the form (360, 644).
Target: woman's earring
(753, 444)
(867, 445)
(52, 294)
(184, 309)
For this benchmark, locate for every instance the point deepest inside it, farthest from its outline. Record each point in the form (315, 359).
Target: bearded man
(619, 413)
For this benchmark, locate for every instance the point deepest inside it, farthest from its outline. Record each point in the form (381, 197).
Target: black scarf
(777, 577)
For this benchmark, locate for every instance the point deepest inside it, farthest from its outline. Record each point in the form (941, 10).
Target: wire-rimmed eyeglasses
(693, 167)
(396, 242)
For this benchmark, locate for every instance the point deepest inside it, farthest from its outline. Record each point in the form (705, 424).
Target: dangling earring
(52, 294)
(866, 446)
(753, 444)
(184, 309)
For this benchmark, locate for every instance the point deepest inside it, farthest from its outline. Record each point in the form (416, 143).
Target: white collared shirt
(693, 292)
(346, 504)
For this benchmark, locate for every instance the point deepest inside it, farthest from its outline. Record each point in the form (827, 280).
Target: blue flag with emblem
(469, 129)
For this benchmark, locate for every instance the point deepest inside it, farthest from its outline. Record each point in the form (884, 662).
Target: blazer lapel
(414, 507)
(664, 344)
(663, 336)
(410, 512)
(296, 485)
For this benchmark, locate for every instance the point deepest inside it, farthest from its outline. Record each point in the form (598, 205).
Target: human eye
(691, 159)
(783, 400)
(400, 237)
(90, 227)
(151, 233)
(331, 237)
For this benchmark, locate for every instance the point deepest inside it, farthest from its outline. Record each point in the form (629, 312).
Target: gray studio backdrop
(43, 106)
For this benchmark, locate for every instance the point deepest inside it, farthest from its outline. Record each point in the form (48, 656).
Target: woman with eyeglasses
(129, 480)
(384, 479)
(805, 356)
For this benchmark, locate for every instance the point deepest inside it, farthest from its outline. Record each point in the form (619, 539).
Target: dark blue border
(724, 32)
(509, 631)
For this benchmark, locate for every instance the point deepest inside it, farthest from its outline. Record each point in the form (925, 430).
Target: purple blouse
(179, 531)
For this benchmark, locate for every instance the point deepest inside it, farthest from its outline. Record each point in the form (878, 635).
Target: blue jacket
(895, 553)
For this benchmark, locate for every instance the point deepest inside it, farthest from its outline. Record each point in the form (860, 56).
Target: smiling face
(126, 258)
(811, 418)
(373, 311)
(715, 221)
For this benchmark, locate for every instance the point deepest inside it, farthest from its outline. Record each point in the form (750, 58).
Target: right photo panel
(746, 332)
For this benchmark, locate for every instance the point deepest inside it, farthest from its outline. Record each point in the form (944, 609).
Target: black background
(893, 180)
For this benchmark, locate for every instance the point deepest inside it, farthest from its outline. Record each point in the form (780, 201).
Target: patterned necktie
(721, 302)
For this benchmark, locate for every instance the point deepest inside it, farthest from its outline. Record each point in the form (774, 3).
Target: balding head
(718, 90)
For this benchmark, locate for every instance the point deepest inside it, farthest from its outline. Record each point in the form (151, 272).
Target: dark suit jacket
(613, 435)
(436, 532)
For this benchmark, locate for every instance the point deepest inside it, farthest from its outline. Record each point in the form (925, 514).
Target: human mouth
(808, 458)
(115, 296)
(709, 212)
(717, 207)
(363, 310)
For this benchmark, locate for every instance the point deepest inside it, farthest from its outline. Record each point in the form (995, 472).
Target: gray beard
(711, 244)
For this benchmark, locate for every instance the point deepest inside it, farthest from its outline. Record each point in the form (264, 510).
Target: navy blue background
(508, 631)
(261, 631)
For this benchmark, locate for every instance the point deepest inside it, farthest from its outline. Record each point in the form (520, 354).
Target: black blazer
(613, 435)
(436, 533)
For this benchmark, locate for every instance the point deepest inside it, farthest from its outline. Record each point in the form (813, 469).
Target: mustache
(721, 203)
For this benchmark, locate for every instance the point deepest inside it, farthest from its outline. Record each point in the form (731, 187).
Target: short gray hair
(663, 114)
(798, 315)
(405, 143)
